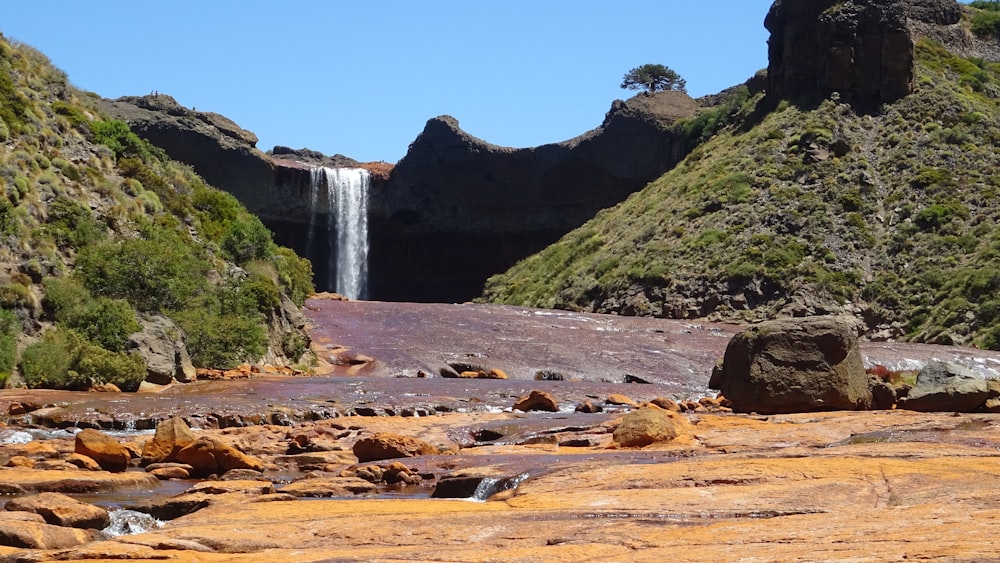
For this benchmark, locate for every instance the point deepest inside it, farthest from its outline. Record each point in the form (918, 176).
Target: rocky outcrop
(861, 49)
(457, 209)
(794, 365)
(385, 445)
(161, 346)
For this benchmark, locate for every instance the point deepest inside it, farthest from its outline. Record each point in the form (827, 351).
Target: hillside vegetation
(100, 230)
(890, 215)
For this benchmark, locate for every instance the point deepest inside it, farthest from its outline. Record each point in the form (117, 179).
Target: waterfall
(344, 191)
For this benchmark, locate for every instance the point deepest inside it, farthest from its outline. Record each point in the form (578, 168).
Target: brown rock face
(171, 437)
(862, 49)
(61, 510)
(105, 450)
(794, 365)
(645, 426)
(384, 445)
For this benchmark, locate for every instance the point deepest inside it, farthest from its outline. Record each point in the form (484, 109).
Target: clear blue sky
(361, 78)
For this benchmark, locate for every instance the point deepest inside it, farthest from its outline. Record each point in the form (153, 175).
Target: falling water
(346, 209)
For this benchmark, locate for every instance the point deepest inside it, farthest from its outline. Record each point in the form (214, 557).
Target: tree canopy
(653, 78)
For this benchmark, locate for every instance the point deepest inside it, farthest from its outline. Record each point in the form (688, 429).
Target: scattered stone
(548, 375)
(588, 407)
(104, 388)
(62, 510)
(171, 437)
(384, 445)
(248, 487)
(620, 400)
(537, 401)
(946, 387)
(645, 426)
(794, 365)
(105, 450)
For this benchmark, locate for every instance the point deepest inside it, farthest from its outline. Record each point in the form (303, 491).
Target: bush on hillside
(10, 329)
(247, 240)
(97, 365)
(159, 274)
(48, 364)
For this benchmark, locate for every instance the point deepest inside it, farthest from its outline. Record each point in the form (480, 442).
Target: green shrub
(986, 23)
(105, 322)
(72, 224)
(97, 365)
(222, 340)
(10, 329)
(116, 135)
(247, 240)
(158, 274)
(48, 364)
(295, 275)
(64, 297)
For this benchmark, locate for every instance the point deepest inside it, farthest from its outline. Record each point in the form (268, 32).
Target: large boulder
(161, 346)
(171, 436)
(794, 365)
(645, 426)
(108, 452)
(208, 455)
(384, 445)
(62, 510)
(946, 387)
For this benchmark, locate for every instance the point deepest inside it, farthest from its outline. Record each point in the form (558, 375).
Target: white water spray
(346, 199)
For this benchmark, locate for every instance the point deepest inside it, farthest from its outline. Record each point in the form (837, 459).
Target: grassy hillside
(98, 228)
(891, 216)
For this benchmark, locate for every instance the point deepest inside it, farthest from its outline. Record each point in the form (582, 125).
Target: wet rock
(61, 510)
(620, 400)
(588, 407)
(246, 486)
(171, 437)
(883, 394)
(645, 426)
(166, 471)
(537, 401)
(384, 445)
(946, 387)
(795, 365)
(172, 507)
(325, 486)
(105, 450)
(209, 455)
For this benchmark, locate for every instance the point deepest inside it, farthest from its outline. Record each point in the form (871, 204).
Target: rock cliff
(457, 209)
(861, 49)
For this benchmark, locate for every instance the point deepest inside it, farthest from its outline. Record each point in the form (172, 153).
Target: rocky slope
(117, 263)
(828, 204)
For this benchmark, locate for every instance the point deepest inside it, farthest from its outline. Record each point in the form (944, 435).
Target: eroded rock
(61, 510)
(110, 454)
(645, 426)
(384, 445)
(946, 387)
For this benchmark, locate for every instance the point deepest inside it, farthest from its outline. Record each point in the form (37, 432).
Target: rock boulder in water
(645, 426)
(946, 387)
(385, 445)
(105, 450)
(794, 365)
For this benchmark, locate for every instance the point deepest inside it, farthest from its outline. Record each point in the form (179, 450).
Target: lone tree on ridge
(653, 78)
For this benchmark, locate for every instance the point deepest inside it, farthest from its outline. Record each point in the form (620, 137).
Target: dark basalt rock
(457, 209)
(861, 49)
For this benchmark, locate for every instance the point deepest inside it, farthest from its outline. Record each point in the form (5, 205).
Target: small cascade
(490, 486)
(342, 195)
(128, 522)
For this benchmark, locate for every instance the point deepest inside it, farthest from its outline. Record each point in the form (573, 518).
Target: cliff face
(457, 209)
(861, 49)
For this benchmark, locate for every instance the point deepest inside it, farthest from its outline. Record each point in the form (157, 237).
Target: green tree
(653, 78)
